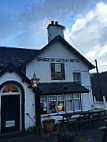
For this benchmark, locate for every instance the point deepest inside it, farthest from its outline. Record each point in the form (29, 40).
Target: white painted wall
(29, 96)
(43, 70)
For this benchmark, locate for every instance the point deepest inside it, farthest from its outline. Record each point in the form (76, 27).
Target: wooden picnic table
(82, 117)
(88, 114)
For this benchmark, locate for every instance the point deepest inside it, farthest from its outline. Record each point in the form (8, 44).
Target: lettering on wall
(61, 60)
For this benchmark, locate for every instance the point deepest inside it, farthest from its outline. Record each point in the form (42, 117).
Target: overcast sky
(23, 24)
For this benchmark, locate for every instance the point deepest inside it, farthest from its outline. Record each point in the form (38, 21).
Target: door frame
(22, 101)
(17, 127)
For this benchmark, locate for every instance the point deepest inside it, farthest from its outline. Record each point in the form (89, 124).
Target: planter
(49, 125)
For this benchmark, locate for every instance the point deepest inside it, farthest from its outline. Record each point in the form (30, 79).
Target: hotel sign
(61, 60)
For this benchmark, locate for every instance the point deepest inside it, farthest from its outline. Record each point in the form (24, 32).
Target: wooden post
(99, 84)
(37, 109)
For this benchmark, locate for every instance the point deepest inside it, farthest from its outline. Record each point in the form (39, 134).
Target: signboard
(57, 71)
(61, 60)
(10, 123)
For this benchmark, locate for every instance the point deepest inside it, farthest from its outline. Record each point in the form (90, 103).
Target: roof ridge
(19, 48)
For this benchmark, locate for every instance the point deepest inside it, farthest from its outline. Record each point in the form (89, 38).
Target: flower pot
(49, 125)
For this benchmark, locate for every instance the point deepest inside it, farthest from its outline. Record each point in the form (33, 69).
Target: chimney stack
(54, 29)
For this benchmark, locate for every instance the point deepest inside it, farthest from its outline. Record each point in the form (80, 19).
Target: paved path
(90, 134)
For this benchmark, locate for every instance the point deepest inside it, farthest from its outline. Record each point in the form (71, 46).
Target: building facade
(64, 82)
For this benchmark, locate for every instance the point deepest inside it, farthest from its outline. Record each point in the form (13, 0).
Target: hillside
(103, 84)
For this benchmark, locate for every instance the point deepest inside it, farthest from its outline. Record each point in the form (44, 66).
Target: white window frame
(78, 80)
(79, 99)
(73, 98)
(65, 99)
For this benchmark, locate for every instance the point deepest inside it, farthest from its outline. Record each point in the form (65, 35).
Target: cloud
(22, 30)
(90, 33)
(28, 28)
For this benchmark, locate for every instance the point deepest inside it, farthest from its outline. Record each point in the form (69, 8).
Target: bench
(102, 128)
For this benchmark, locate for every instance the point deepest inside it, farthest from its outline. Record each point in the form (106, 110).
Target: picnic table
(82, 117)
(90, 114)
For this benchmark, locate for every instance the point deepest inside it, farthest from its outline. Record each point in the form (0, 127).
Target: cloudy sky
(23, 24)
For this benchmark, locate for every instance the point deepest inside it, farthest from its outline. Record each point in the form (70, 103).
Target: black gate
(10, 113)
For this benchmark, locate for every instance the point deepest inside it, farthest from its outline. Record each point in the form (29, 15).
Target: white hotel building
(64, 82)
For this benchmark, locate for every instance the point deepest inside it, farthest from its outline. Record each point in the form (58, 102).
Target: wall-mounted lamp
(35, 80)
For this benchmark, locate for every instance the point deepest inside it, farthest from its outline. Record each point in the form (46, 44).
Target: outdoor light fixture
(34, 80)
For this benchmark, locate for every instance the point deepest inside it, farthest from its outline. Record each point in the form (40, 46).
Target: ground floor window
(73, 102)
(52, 104)
(60, 103)
(43, 103)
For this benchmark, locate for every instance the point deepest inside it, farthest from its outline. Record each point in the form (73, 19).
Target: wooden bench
(102, 128)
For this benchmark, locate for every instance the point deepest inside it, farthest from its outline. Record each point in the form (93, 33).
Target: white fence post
(105, 103)
(94, 99)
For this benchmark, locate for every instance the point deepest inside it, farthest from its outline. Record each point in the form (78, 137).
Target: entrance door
(10, 113)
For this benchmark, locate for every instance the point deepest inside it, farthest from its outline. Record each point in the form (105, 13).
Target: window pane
(68, 96)
(52, 104)
(10, 89)
(57, 67)
(77, 77)
(43, 103)
(60, 106)
(69, 105)
(76, 95)
(76, 104)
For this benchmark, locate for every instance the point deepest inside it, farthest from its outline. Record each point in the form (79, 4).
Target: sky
(23, 24)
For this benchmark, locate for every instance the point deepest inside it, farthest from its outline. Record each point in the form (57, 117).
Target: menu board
(57, 71)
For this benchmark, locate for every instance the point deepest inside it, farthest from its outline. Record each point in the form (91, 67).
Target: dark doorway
(10, 113)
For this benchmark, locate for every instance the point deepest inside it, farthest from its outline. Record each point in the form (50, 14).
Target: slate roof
(15, 56)
(61, 87)
(21, 57)
(11, 68)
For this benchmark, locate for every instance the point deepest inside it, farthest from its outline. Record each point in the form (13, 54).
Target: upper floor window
(77, 77)
(57, 71)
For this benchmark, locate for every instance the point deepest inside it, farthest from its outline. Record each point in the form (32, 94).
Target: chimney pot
(55, 29)
(56, 23)
(52, 22)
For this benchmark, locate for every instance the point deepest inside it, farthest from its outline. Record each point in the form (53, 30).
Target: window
(61, 107)
(52, 104)
(69, 103)
(43, 103)
(10, 89)
(77, 102)
(57, 71)
(59, 103)
(73, 102)
(77, 77)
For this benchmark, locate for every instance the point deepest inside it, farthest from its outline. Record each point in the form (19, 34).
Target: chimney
(54, 29)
